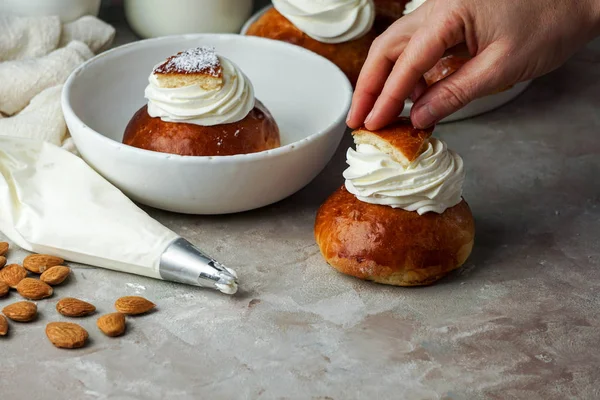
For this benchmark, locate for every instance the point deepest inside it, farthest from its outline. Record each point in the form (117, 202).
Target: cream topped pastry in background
(201, 104)
(400, 218)
(220, 94)
(339, 30)
(329, 21)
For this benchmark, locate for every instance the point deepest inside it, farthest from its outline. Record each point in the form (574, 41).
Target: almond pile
(52, 272)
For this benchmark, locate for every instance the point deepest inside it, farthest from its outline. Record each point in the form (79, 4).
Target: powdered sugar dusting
(198, 60)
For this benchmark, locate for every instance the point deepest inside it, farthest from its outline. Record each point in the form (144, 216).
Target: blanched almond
(34, 289)
(3, 325)
(71, 307)
(22, 311)
(112, 324)
(133, 305)
(55, 275)
(66, 335)
(13, 274)
(3, 289)
(38, 263)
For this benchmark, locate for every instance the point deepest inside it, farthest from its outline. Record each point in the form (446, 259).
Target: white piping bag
(52, 202)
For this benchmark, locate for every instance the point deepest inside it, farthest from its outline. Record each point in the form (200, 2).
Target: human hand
(511, 41)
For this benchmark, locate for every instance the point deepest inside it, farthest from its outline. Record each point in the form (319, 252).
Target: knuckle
(454, 95)
(449, 32)
(391, 96)
(410, 65)
(449, 22)
(388, 45)
(378, 44)
(370, 91)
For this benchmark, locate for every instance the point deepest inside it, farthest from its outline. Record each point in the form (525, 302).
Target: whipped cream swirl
(413, 5)
(194, 105)
(329, 21)
(431, 183)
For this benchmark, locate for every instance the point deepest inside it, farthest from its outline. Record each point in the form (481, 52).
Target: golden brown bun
(257, 132)
(348, 56)
(448, 65)
(392, 246)
(401, 140)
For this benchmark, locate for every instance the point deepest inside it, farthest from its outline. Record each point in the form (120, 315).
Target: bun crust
(388, 12)
(348, 56)
(392, 246)
(445, 67)
(257, 132)
(400, 139)
(200, 66)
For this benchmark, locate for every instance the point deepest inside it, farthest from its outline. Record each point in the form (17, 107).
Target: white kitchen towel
(25, 37)
(90, 30)
(37, 54)
(22, 80)
(33, 37)
(41, 119)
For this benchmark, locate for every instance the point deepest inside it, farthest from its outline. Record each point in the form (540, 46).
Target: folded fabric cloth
(41, 119)
(90, 30)
(32, 37)
(25, 37)
(37, 54)
(21, 80)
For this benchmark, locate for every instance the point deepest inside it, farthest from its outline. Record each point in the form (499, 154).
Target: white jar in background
(152, 18)
(67, 10)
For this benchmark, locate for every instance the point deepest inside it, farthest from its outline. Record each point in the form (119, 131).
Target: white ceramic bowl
(308, 96)
(477, 107)
(67, 10)
(154, 18)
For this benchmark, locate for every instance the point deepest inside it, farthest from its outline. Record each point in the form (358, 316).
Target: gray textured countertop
(520, 320)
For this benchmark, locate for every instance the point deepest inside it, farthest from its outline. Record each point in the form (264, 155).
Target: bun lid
(401, 140)
(199, 66)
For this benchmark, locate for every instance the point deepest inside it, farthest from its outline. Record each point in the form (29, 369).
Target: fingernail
(418, 91)
(369, 117)
(349, 117)
(424, 116)
(415, 94)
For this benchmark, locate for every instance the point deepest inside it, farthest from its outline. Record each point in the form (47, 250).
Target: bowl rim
(294, 146)
(253, 18)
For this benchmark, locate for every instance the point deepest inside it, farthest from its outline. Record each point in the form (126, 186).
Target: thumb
(485, 74)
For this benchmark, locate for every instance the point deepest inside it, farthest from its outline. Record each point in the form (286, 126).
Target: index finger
(424, 50)
(381, 59)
